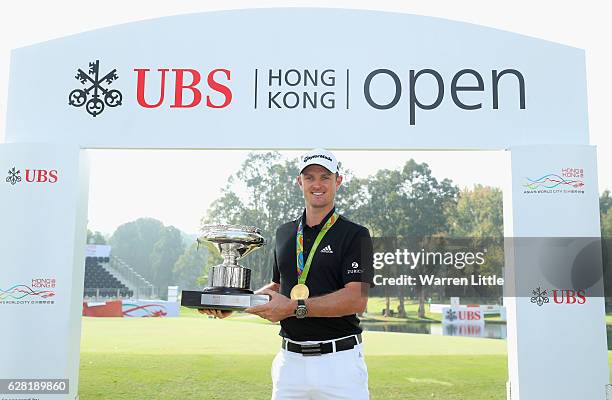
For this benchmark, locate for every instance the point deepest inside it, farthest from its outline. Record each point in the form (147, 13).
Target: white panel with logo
(43, 193)
(359, 79)
(557, 345)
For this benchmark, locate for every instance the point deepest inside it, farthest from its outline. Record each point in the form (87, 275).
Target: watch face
(300, 312)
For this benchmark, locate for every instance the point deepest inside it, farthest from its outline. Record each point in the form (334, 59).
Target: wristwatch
(301, 310)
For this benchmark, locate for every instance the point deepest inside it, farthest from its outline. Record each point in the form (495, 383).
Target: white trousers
(335, 376)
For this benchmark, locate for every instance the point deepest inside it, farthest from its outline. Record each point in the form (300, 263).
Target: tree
(95, 237)
(477, 222)
(272, 198)
(133, 242)
(605, 202)
(606, 243)
(214, 258)
(149, 248)
(403, 204)
(479, 213)
(166, 251)
(606, 225)
(190, 266)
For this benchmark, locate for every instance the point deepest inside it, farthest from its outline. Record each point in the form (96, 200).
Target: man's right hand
(215, 313)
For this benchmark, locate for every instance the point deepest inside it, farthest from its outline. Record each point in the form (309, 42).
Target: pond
(609, 332)
(486, 330)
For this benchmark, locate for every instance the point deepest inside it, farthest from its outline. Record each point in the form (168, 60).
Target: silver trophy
(228, 283)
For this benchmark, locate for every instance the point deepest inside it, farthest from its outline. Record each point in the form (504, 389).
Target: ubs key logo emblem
(13, 176)
(93, 93)
(540, 296)
(451, 315)
(32, 176)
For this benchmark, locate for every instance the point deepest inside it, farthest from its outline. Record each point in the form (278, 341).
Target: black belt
(322, 348)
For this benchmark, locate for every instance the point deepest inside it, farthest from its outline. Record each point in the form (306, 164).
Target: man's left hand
(278, 308)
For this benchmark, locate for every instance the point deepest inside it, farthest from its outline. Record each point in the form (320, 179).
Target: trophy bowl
(228, 283)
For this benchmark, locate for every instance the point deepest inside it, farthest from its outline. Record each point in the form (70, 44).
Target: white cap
(322, 157)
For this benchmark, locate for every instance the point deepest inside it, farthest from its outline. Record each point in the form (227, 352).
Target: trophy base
(222, 298)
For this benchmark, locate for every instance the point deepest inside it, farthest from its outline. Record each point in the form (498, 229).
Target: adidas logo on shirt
(327, 249)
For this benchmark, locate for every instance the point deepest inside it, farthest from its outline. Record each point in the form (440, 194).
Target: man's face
(319, 186)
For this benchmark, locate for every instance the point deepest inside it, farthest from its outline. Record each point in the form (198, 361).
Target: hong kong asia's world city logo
(569, 180)
(94, 95)
(40, 291)
(13, 176)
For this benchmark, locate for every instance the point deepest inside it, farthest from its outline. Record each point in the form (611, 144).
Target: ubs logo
(92, 94)
(451, 315)
(463, 315)
(569, 296)
(13, 176)
(560, 296)
(32, 176)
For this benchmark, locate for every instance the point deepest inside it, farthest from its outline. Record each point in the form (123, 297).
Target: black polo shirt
(344, 255)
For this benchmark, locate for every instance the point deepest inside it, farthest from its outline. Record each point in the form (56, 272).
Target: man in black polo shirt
(322, 271)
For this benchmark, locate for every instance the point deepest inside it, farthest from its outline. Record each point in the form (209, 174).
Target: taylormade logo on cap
(308, 158)
(322, 157)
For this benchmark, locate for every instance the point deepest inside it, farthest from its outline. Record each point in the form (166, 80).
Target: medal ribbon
(302, 269)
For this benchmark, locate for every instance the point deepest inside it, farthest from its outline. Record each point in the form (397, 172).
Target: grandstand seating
(99, 283)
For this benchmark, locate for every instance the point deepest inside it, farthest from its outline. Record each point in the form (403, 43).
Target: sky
(171, 187)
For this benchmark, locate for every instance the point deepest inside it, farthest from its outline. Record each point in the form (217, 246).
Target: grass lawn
(145, 376)
(201, 358)
(377, 304)
(197, 357)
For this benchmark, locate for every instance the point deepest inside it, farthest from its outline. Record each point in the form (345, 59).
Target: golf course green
(196, 357)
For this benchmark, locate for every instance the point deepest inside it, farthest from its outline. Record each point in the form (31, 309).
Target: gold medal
(299, 292)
